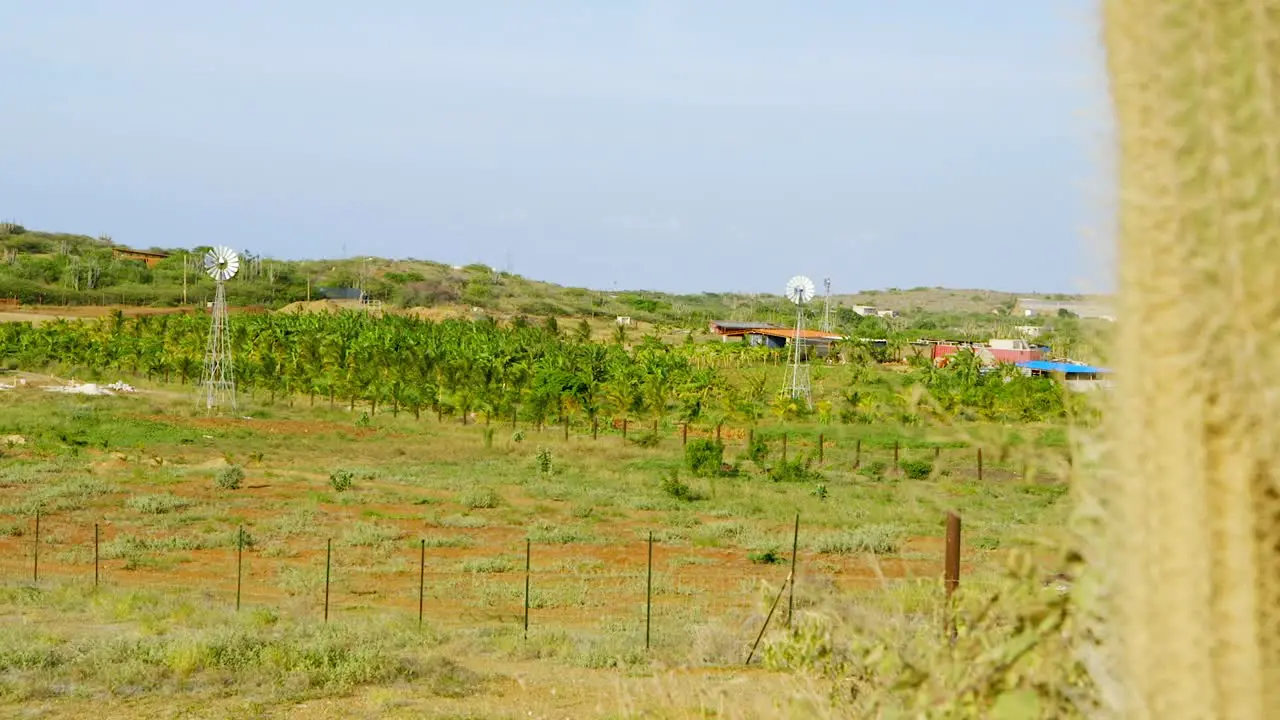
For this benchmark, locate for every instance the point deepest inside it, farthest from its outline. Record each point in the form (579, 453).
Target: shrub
(488, 437)
(820, 491)
(875, 539)
(765, 557)
(704, 458)
(543, 459)
(916, 469)
(517, 436)
(156, 504)
(874, 470)
(647, 440)
(675, 487)
(230, 477)
(341, 480)
(798, 470)
(480, 499)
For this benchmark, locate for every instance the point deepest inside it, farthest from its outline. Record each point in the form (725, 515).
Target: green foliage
(766, 557)
(916, 469)
(543, 461)
(647, 440)
(798, 470)
(820, 491)
(757, 449)
(874, 469)
(873, 539)
(676, 488)
(704, 458)
(480, 499)
(341, 479)
(160, 504)
(229, 478)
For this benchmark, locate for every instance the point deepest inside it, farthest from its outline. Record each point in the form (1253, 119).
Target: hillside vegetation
(45, 268)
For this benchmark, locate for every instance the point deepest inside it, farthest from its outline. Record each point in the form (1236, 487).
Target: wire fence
(538, 589)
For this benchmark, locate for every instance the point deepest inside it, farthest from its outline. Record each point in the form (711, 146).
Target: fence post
(328, 555)
(857, 454)
(528, 554)
(795, 545)
(514, 414)
(979, 464)
(648, 595)
(95, 556)
(422, 578)
(717, 432)
(624, 428)
(595, 428)
(35, 556)
(566, 428)
(751, 437)
(684, 434)
(784, 447)
(239, 563)
(895, 456)
(822, 450)
(951, 570)
(937, 452)
(655, 427)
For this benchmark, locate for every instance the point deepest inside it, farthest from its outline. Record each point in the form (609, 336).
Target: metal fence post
(239, 563)
(328, 556)
(528, 563)
(648, 596)
(795, 545)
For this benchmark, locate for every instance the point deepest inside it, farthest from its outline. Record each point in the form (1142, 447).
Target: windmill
(800, 290)
(219, 384)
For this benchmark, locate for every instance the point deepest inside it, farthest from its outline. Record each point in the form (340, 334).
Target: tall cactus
(1195, 492)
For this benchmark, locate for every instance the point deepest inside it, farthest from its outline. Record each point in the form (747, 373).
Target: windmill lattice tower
(218, 387)
(826, 305)
(800, 290)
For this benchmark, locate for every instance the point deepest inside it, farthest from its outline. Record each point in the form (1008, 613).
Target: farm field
(451, 509)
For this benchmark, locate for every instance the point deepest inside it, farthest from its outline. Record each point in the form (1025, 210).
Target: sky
(676, 145)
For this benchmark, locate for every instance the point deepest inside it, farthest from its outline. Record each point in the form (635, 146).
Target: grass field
(162, 626)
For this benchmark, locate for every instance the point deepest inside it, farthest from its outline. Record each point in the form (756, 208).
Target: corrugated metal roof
(790, 333)
(1063, 367)
(732, 325)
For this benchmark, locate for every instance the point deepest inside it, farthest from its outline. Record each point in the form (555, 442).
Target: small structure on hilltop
(1077, 376)
(149, 257)
(992, 353)
(1036, 307)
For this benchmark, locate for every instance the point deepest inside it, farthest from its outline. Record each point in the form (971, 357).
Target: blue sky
(671, 145)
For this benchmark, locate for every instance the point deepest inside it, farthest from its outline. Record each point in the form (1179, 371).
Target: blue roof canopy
(1062, 367)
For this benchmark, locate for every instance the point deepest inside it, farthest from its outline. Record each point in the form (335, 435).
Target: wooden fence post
(951, 570)
(822, 451)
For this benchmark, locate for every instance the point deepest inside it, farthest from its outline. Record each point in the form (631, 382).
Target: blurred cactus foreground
(1192, 597)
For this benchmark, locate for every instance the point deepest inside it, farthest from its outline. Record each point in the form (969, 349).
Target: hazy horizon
(662, 145)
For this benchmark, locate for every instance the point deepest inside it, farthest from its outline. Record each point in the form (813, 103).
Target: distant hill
(71, 269)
